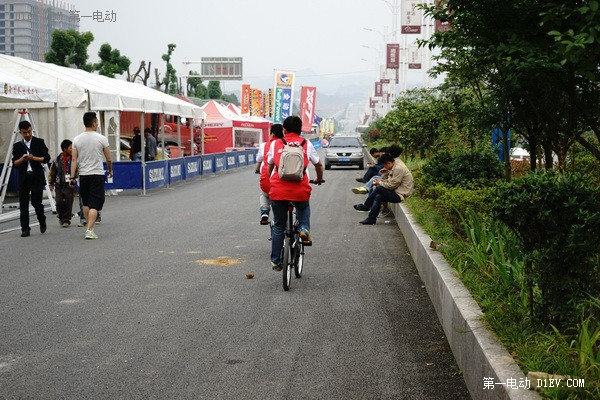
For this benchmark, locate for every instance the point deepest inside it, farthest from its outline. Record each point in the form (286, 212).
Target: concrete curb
(476, 349)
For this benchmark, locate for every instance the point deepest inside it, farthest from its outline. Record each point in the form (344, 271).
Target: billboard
(308, 98)
(221, 68)
(284, 92)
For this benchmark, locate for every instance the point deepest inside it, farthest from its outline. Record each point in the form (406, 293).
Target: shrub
(557, 218)
(459, 168)
(456, 201)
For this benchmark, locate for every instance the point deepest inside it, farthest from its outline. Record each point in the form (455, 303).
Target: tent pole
(142, 115)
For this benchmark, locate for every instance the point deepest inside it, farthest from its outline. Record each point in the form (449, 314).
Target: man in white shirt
(89, 151)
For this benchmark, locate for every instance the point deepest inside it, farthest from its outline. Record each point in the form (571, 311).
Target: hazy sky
(325, 36)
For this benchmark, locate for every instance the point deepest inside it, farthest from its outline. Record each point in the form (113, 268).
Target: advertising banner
(284, 91)
(219, 162)
(308, 98)
(176, 170)
(231, 160)
(242, 160)
(192, 166)
(393, 56)
(378, 89)
(411, 17)
(208, 164)
(414, 57)
(245, 99)
(156, 174)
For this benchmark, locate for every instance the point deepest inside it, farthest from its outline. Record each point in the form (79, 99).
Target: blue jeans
(378, 196)
(280, 210)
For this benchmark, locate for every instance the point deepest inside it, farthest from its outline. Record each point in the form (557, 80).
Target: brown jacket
(399, 179)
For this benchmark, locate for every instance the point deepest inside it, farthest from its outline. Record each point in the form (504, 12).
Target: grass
(486, 258)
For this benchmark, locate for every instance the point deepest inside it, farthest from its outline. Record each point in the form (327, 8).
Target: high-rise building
(26, 26)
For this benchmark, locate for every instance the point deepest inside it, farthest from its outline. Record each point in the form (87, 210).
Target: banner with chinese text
(411, 17)
(393, 56)
(284, 91)
(245, 99)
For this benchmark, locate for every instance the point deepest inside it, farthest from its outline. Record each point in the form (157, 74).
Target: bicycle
(292, 253)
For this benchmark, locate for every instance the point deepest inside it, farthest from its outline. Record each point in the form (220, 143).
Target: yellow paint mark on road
(222, 261)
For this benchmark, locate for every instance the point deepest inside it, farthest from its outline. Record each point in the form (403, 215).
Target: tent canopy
(76, 87)
(14, 89)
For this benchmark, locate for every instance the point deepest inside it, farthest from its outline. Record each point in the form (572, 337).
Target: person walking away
(283, 191)
(395, 185)
(89, 151)
(29, 155)
(59, 181)
(151, 145)
(135, 151)
(262, 168)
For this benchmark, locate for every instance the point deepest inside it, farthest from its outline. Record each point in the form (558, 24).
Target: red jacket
(264, 181)
(289, 190)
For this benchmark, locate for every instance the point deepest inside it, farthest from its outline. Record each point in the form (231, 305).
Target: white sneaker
(90, 235)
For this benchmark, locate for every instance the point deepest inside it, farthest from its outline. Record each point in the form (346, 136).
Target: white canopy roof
(15, 89)
(76, 87)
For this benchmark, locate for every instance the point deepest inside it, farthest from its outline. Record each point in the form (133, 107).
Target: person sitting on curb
(395, 186)
(373, 167)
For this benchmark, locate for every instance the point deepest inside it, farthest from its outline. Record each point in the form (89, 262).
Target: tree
(231, 98)
(70, 48)
(111, 61)
(170, 79)
(195, 87)
(138, 74)
(214, 90)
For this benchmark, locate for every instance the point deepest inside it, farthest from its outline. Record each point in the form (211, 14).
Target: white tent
(79, 91)
(14, 89)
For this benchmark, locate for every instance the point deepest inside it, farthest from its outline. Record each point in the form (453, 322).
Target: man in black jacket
(29, 155)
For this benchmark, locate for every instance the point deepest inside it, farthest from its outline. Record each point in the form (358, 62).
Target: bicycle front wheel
(299, 259)
(286, 262)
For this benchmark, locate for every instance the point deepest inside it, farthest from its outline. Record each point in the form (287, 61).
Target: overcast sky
(325, 36)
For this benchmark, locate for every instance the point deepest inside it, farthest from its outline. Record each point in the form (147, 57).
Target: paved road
(159, 307)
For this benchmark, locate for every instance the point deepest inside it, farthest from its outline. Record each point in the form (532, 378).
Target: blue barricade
(208, 164)
(220, 162)
(231, 160)
(126, 175)
(251, 155)
(242, 158)
(192, 166)
(176, 170)
(156, 173)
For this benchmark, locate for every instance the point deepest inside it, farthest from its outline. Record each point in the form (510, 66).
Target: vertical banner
(414, 57)
(411, 17)
(254, 105)
(393, 56)
(284, 85)
(261, 104)
(439, 25)
(378, 89)
(246, 99)
(308, 98)
(371, 103)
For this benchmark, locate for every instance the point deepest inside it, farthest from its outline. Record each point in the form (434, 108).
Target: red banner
(393, 56)
(308, 97)
(378, 89)
(245, 99)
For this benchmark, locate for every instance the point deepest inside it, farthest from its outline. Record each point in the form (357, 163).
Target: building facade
(26, 26)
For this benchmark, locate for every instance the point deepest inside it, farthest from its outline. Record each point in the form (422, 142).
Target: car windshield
(344, 142)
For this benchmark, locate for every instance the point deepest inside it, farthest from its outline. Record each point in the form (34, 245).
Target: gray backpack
(291, 162)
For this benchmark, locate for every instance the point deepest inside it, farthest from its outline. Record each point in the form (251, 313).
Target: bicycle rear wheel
(286, 262)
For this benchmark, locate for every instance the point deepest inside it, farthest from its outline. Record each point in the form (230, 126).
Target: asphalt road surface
(159, 307)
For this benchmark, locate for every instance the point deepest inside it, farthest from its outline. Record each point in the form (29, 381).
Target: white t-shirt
(90, 152)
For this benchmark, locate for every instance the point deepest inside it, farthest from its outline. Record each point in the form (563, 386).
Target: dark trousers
(371, 172)
(64, 202)
(30, 186)
(377, 196)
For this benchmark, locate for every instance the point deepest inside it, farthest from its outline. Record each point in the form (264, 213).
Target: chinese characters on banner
(308, 98)
(378, 89)
(414, 57)
(284, 91)
(245, 99)
(393, 56)
(99, 16)
(411, 17)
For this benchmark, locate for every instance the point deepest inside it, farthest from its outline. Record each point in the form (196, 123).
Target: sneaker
(276, 267)
(360, 190)
(65, 224)
(361, 180)
(368, 222)
(361, 207)
(81, 223)
(90, 235)
(386, 213)
(264, 219)
(305, 237)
